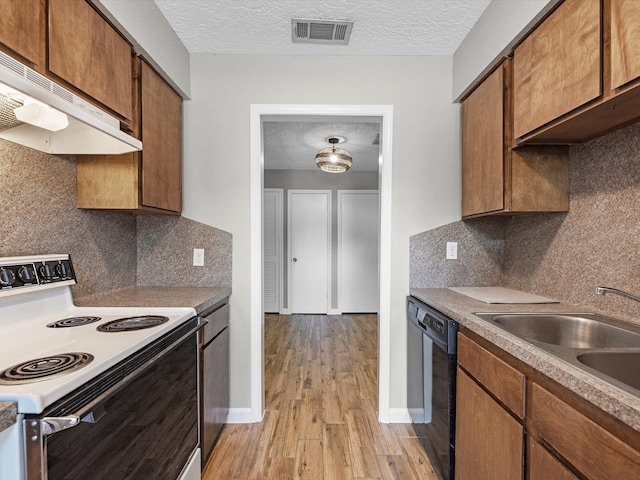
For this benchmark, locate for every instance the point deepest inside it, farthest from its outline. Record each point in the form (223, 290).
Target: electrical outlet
(198, 257)
(452, 250)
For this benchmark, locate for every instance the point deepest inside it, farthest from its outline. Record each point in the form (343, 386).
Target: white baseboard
(285, 311)
(240, 415)
(399, 415)
(334, 311)
(243, 415)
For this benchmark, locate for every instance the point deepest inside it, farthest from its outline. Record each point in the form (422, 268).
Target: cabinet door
(625, 46)
(541, 465)
(162, 143)
(489, 441)
(108, 181)
(591, 449)
(483, 147)
(88, 53)
(557, 67)
(22, 28)
(215, 391)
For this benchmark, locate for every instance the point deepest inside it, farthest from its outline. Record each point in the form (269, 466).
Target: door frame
(258, 113)
(290, 193)
(341, 193)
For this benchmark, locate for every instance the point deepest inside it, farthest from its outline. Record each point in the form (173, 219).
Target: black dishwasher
(214, 377)
(431, 383)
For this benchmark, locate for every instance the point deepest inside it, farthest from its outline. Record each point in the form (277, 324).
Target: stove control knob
(61, 269)
(7, 277)
(45, 271)
(26, 274)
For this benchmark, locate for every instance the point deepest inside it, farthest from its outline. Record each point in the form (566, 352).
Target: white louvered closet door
(272, 250)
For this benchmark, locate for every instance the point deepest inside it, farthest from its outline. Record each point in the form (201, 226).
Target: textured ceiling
(382, 27)
(293, 145)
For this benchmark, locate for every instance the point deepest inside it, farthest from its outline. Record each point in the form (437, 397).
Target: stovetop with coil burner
(48, 334)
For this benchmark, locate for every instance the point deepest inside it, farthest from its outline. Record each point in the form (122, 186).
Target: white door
(272, 250)
(309, 226)
(358, 221)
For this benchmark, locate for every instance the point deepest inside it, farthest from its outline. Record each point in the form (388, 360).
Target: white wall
(492, 37)
(426, 161)
(317, 180)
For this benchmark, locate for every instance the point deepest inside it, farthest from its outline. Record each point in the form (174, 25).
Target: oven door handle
(50, 425)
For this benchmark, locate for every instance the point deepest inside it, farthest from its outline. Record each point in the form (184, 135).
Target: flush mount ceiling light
(332, 159)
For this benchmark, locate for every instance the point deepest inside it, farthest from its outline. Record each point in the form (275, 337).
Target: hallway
(321, 414)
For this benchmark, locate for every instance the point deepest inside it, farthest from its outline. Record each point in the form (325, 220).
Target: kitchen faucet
(603, 290)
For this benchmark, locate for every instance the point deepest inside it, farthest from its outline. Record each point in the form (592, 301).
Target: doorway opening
(260, 114)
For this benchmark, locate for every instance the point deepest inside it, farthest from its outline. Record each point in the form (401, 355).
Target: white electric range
(70, 367)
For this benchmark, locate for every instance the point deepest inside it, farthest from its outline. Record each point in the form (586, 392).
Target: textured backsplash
(597, 242)
(109, 250)
(563, 256)
(39, 216)
(480, 255)
(165, 253)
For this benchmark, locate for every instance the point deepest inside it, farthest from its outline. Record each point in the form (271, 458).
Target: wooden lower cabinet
(541, 465)
(590, 448)
(489, 441)
(567, 438)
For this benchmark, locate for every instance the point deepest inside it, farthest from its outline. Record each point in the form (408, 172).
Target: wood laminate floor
(321, 412)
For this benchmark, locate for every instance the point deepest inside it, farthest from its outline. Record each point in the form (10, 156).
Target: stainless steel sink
(621, 365)
(604, 347)
(566, 330)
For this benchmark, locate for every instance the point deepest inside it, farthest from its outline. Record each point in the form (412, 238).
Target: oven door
(143, 426)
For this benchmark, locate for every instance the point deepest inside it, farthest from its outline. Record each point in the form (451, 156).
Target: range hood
(89, 131)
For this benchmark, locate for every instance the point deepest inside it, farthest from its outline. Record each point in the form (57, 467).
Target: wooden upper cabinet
(161, 119)
(149, 181)
(85, 51)
(557, 67)
(483, 148)
(22, 30)
(500, 180)
(625, 42)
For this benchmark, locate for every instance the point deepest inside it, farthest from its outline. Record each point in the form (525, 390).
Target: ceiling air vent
(320, 31)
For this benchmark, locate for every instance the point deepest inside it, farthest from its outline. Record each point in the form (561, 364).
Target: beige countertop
(8, 412)
(199, 298)
(618, 403)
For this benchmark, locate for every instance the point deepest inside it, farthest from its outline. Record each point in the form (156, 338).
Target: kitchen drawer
(505, 382)
(217, 321)
(590, 448)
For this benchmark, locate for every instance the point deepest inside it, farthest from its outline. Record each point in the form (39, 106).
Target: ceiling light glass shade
(42, 116)
(333, 160)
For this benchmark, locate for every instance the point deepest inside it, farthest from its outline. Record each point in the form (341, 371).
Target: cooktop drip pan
(44, 368)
